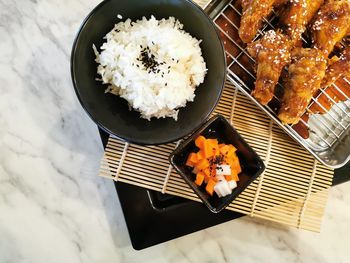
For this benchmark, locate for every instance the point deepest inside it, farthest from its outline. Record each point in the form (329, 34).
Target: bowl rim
(126, 138)
(190, 139)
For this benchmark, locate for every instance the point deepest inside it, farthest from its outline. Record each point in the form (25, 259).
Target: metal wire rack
(326, 120)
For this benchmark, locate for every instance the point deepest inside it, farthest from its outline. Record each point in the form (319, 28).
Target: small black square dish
(218, 128)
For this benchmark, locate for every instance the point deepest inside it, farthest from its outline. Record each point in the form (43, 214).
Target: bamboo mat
(292, 191)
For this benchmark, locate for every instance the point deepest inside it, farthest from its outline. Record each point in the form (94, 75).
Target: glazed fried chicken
(296, 15)
(331, 24)
(272, 54)
(254, 11)
(246, 3)
(337, 68)
(304, 79)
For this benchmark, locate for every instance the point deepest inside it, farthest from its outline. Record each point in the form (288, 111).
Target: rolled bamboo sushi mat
(293, 190)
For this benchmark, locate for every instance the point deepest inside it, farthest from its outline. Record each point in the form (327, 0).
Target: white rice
(169, 86)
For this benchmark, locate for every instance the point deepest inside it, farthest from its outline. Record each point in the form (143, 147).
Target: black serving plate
(158, 211)
(112, 113)
(218, 128)
(150, 225)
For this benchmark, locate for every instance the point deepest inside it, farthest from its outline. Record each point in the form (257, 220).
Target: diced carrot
(200, 155)
(234, 175)
(210, 187)
(228, 177)
(224, 149)
(207, 172)
(217, 152)
(193, 158)
(231, 153)
(199, 178)
(230, 158)
(232, 147)
(189, 163)
(210, 147)
(229, 161)
(199, 141)
(213, 171)
(214, 143)
(235, 165)
(207, 149)
(202, 164)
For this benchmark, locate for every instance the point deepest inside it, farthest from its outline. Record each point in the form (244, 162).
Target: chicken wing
(304, 78)
(272, 53)
(337, 68)
(246, 3)
(254, 11)
(296, 15)
(331, 24)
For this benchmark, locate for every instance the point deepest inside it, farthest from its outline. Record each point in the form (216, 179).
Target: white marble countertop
(54, 207)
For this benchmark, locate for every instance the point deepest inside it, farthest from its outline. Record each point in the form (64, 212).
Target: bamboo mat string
(233, 106)
(169, 171)
(121, 161)
(261, 177)
(307, 196)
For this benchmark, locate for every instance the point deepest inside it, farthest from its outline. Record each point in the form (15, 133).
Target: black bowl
(112, 113)
(218, 127)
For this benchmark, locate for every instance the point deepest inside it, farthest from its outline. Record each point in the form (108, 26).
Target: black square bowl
(218, 127)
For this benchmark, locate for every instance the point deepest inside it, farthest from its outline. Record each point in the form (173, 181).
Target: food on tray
(338, 67)
(216, 165)
(253, 14)
(272, 54)
(153, 64)
(305, 75)
(296, 15)
(245, 4)
(331, 24)
(327, 21)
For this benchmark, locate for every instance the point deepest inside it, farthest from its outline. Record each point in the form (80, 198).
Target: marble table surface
(54, 207)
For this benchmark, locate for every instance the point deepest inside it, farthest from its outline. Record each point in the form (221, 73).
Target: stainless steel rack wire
(327, 128)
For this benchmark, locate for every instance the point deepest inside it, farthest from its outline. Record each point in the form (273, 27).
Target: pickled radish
(216, 165)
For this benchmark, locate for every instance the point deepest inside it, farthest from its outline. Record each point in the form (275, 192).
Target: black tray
(153, 218)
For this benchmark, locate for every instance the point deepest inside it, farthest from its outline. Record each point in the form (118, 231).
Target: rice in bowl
(153, 64)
